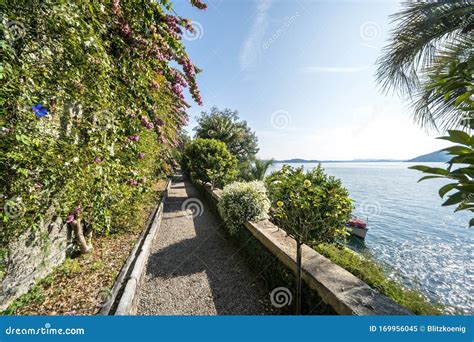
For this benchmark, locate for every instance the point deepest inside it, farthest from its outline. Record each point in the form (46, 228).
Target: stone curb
(124, 302)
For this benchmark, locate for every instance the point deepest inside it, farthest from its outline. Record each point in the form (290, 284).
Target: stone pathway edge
(123, 297)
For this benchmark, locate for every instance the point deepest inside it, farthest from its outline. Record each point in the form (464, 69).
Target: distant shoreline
(434, 157)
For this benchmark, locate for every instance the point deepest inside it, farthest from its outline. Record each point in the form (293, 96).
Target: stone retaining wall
(340, 289)
(32, 256)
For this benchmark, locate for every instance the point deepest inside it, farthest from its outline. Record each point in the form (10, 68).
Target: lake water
(425, 245)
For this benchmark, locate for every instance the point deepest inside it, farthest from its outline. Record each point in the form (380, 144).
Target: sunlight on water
(427, 246)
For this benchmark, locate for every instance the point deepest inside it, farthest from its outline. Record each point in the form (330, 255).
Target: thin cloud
(250, 51)
(336, 70)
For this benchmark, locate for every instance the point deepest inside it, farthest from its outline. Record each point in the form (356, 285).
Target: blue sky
(301, 73)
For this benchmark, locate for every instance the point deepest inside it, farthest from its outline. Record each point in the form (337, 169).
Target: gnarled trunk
(79, 235)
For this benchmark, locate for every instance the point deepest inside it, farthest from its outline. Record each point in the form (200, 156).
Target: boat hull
(359, 232)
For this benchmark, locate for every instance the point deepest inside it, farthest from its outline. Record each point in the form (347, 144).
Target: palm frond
(421, 30)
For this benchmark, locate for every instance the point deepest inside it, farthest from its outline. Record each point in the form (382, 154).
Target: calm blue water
(426, 246)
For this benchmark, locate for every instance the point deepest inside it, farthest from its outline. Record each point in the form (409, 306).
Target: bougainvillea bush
(91, 107)
(311, 206)
(241, 202)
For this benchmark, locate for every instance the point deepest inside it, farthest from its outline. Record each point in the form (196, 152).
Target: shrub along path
(193, 268)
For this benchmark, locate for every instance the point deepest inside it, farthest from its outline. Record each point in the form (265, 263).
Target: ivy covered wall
(92, 106)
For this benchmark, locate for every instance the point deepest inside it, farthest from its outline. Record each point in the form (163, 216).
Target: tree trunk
(80, 239)
(298, 277)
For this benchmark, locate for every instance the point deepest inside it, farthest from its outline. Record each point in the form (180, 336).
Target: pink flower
(133, 138)
(149, 125)
(159, 122)
(141, 155)
(133, 182)
(70, 218)
(97, 160)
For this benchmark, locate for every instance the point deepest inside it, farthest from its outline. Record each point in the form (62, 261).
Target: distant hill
(297, 160)
(303, 161)
(438, 156)
(434, 157)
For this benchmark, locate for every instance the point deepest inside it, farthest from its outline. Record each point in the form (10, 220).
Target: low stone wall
(32, 256)
(340, 289)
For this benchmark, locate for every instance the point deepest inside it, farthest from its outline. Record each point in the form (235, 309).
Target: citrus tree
(310, 206)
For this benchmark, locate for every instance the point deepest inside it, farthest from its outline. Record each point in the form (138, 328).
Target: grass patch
(369, 271)
(77, 286)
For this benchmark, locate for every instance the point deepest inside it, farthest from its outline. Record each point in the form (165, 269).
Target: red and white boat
(358, 227)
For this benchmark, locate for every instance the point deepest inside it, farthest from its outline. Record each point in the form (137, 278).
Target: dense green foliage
(427, 38)
(209, 161)
(374, 275)
(255, 169)
(241, 202)
(455, 89)
(460, 171)
(311, 206)
(431, 59)
(88, 101)
(224, 125)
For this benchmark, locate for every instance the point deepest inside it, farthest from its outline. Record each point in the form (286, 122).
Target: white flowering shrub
(242, 202)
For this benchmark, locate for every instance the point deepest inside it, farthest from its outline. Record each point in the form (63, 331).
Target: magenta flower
(97, 160)
(149, 125)
(133, 138)
(70, 218)
(141, 155)
(159, 122)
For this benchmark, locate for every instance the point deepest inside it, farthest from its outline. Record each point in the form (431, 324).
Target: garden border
(122, 299)
(340, 289)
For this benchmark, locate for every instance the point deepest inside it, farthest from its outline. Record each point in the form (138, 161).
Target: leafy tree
(427, 38)
(457, 80)
(310, 206)
(209, 161)
(224, 125)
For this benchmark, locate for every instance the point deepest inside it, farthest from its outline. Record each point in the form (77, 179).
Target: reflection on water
(429, 246)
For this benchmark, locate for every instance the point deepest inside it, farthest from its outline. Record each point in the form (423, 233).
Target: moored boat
(358, 227)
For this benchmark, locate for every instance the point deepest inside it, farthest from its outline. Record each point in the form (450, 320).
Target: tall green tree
(225, 125)
(427, 38)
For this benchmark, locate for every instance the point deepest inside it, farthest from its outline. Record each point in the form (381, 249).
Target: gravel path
(193, 269)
